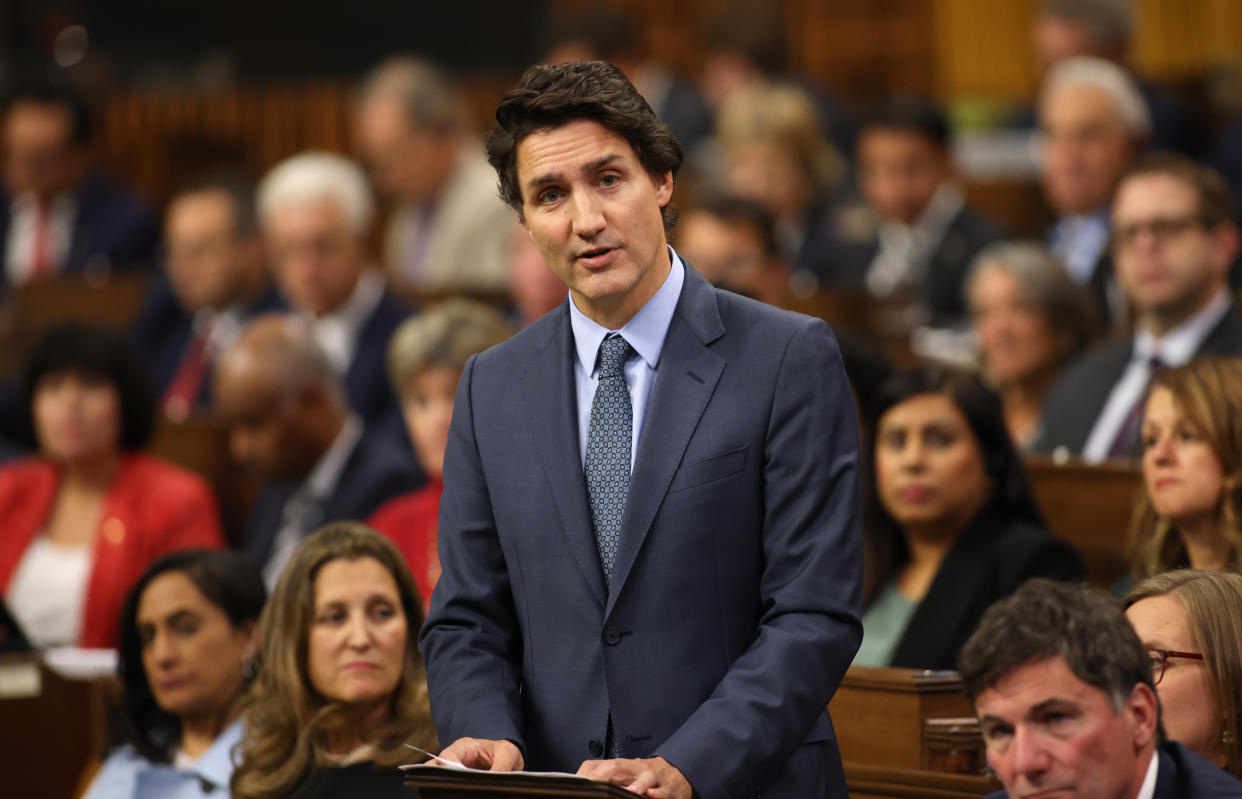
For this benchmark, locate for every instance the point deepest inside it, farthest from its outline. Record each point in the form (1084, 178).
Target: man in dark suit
(215, 279)
(57, 216)
(289, 421)
(315, 211)
(1064, 692)
(1095, 125)
(916, 232)
(649, 528)
(1175, 240)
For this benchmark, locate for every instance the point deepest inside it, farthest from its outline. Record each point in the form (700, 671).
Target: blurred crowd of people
(323, 313)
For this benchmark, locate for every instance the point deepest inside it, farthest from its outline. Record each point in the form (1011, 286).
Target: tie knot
(614, 351)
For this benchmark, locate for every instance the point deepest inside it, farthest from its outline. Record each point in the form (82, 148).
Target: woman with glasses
(1191, 623)
(1190, 514)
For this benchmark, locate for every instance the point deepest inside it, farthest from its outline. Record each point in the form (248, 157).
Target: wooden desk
(54, 727)
(443, 783)
(1090, 506)
(879, 716)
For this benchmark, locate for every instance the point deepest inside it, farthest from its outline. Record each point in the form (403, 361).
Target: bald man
(289, 420)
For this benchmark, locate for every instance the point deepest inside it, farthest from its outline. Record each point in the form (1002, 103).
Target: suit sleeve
(470, 642)
(769, 700)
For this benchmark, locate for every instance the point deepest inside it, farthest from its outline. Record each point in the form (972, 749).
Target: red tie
(185, 385)
(41, 252)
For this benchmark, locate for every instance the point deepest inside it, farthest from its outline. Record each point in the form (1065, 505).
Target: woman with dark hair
(951, 522)
(84, 517)
(340, 687)
(185, 629)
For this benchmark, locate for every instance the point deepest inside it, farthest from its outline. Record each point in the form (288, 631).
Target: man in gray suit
(1173, 240)
(649, 530)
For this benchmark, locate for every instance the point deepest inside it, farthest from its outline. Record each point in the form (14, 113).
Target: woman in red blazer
(425, 360)
(80, 521)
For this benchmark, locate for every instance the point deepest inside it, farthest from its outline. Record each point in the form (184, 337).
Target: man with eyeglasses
(1065, 695)
(1173, 243)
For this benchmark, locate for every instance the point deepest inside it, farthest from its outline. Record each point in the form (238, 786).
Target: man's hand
(653, 777)
(486, 755)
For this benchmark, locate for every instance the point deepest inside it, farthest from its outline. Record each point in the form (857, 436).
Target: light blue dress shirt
(645, 333)
(1079, 241)
(128, 775)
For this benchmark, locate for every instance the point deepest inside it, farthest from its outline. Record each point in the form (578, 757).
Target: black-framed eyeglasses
(1159, 659)
(1162, 229)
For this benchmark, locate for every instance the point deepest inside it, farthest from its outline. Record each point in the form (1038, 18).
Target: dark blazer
(376, 471)
(732, 614)
(110, 223)
(163, 330)
(991, 558)
(366, 380)
(965, 237)
(1182, 774)
(1079, 394)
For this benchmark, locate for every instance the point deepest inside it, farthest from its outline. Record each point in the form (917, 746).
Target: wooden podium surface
(436, 782)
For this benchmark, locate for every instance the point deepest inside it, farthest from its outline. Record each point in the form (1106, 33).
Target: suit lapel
(687, 378)
(552, 409)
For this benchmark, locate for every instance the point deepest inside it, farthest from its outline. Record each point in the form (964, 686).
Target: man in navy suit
(649, 529)
(1065, 694)
(315, 211)
(215, 279)
(56, 215)
(289, 421)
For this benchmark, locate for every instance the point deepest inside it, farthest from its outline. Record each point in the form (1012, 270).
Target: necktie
(608, 450)
(1126, 440)
(41, 252)
(183, 390)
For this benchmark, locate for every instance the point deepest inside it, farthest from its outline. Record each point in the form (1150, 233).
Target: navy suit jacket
(1182, 774)
(733, 609)
(110, 223)
(164, 329)
(376, 471)
(1080, 394)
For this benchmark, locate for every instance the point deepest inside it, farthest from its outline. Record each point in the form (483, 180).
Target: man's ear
(664, 188)
(1143, 708)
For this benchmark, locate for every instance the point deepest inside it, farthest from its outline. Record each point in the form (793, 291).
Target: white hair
(1109, 78)
(313, 176)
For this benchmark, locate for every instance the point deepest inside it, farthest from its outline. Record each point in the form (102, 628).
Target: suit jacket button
(596, 748)
(612, 636)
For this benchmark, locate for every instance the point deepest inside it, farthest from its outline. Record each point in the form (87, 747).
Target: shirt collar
(1148, 788)
(1178, 346)
(216, 764)
(645, 332)
(323, 478)
(362, 301)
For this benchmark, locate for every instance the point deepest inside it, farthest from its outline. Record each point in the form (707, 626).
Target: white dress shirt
(48, 592)
(24, 222)
(906, 250)
(316, 489)
(645, 333)
(1174, 348)
(337, 332)
(1148, 789)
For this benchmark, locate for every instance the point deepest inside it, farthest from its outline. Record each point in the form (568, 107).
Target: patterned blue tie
(609, 438)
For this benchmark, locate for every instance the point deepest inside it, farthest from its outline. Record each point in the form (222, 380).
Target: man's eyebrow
(557, 177)
(1049, 704)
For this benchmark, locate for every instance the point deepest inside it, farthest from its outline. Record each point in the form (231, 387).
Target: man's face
(1168, 263)
(404, 162)
(262, 420)
(1086, 149)
(205, 259)
(731, 255)
(316, 257)
(594, 212)
(1051, 735)
(899, 171)
(38, 154)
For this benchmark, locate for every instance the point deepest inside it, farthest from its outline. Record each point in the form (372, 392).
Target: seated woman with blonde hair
(341, 688)
(1190, 513)
(1191, 623)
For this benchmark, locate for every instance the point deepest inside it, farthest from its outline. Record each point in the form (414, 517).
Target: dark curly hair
(231, 582)
(1044, 619)
(550, 96)
(94, 352)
